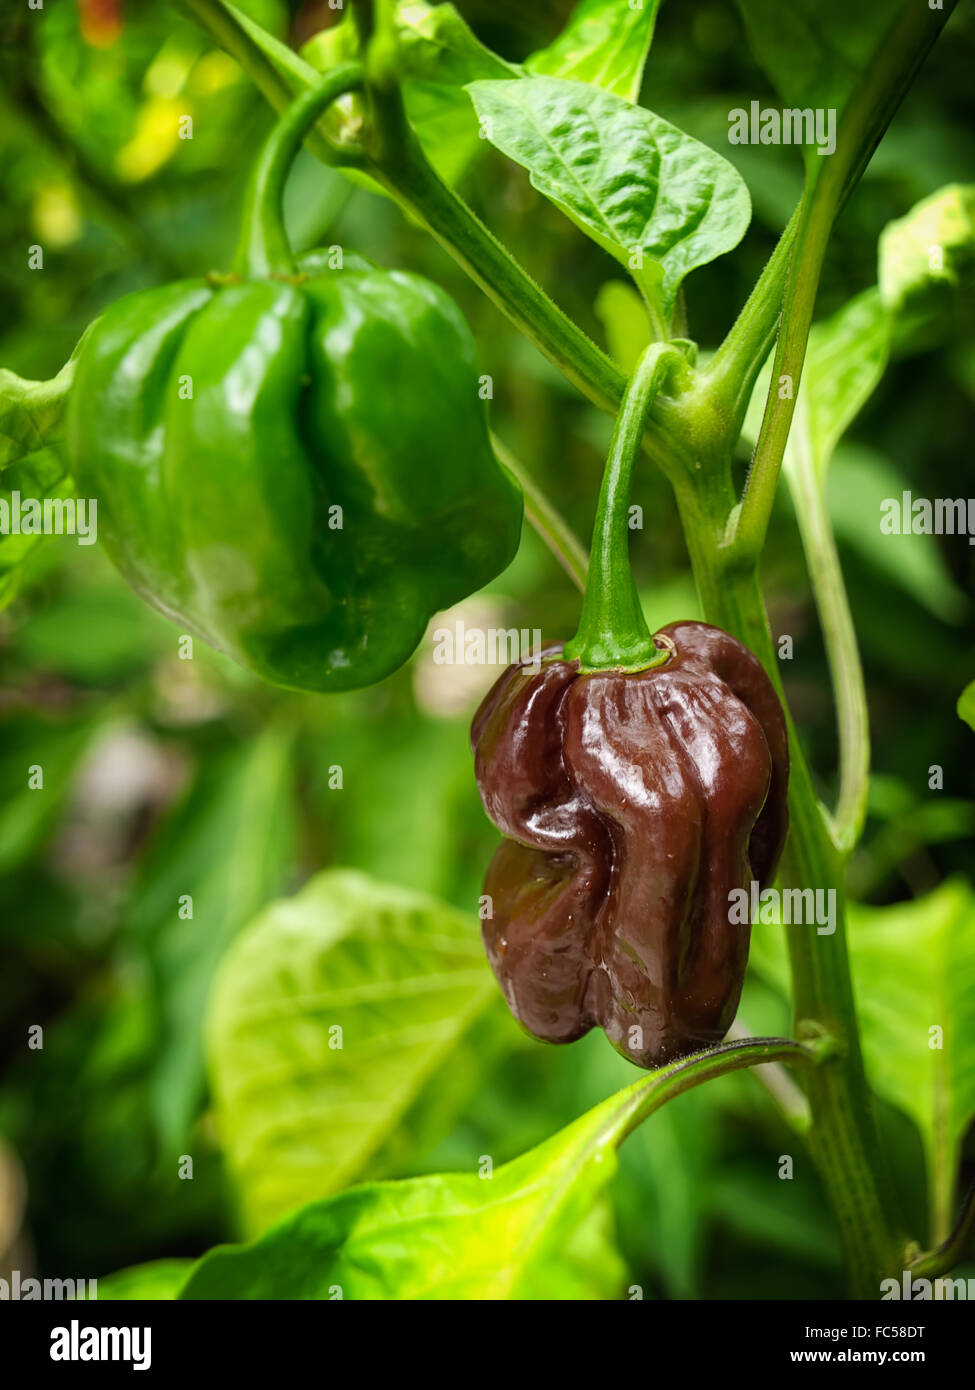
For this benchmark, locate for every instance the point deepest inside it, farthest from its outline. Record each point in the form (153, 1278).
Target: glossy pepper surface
(293, 461)
(632, 805)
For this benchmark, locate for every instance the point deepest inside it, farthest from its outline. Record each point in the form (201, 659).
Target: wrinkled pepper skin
(353, 388)
(632, 806)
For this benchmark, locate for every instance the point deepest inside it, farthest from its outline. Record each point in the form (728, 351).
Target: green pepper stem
(613, 633)
(263, 248)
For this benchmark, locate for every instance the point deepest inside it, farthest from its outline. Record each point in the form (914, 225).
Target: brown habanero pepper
(633, 803)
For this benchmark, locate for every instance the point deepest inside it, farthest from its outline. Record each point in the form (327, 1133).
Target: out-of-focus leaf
(221, 856)
(535, 1229)
(817, 52)
(605, 43)
(93, 633)
(156, 1281)
(30, 412)
(766, 1209)
(623, 315)
(39, 477)
(926, 267)
(914, 972)
(860, 482)
(966, 705)
(329, 1016)
(605, 162)
(909, 824)
(28, 813)
(79, 1113)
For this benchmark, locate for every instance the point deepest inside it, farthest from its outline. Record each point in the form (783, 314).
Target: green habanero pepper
(293, 462)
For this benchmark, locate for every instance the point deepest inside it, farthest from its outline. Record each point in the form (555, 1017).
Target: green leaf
(31, 412)
(605, 43)
(29, 814)
(303, 1107)
(657, 200)
(926, 267)
(914, 968)
(224, 852)
(41, 477)
(535, 1229)
(966, 705)
(156, 1281)
(861, 481)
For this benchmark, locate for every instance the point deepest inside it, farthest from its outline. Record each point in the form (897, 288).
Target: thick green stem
(955, 1248)
(639, 1101)
(843, 1136)
(839, 635)
(613, 633)
(263, 248)
(733, 370)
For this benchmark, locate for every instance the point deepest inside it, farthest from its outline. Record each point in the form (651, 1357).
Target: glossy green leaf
(605, 43)
(966, 705)
(657, 200)
(914, 972)
(159, 1280)
(222, 854)
(329, 1016)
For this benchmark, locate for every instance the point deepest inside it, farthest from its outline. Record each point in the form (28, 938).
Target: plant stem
(546, 519)
(649, 1094)
(839, 635)
(843, 1137)
(613, 633)
(263, 248)
(786, 1096)
(952, 1250)
(733, 370)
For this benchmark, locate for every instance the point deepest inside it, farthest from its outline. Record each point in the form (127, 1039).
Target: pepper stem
(263, 248)
(613, 633)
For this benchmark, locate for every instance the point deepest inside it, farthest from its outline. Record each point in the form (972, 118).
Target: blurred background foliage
(165, 777)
